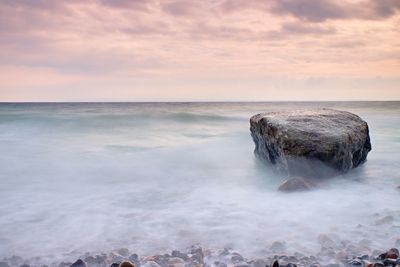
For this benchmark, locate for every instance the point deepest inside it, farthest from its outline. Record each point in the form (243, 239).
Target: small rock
(326, 241)
(151, 264)
(79, 263)
(177, 253)
(390, 262)
(385, 220)
(123, 252)
(392, 253)
(224, 252)
(126, 264)
(114, 265)
(236, 257)
(98, 261)
(296, 184)
(356, 263)
(342, 256)
(16, 260)
(64, 264)
(175, 260)
(221, 264)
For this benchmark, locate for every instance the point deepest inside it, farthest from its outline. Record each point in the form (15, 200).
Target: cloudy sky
(185, 50)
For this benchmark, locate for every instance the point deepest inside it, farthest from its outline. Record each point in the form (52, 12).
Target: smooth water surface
(77, 177)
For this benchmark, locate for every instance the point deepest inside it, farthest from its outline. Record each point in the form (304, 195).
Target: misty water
(154, 177)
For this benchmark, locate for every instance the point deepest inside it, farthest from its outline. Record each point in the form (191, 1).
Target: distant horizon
(196, 101)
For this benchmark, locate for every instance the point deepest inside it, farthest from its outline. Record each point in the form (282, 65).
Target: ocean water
(152, 177)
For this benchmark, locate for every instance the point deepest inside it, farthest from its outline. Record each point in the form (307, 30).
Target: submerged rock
(296, 184)
(311, 142)
(79, 263)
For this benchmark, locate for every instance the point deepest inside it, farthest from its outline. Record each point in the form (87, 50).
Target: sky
(199, 50)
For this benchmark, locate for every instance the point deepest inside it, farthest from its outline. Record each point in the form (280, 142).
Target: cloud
(141, 5)
(319, 11)
(191, 41)
(310, 10)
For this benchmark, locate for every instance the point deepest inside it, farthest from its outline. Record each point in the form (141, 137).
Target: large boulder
(311, 142)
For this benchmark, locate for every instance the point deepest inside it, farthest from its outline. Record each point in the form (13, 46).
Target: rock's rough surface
(311, 142)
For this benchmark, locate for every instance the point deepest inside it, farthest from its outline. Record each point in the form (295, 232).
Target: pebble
(220, 264)
(236, 257)
(151, 264)
(123, 252)
(126, 264)
(385, 220)
(392, 253)
(78, 263)
(198, 257)
(178, 254)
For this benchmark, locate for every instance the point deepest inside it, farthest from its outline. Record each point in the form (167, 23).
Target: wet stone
(151, 264)
(79, 263)
(16, 260)
(392, 253)
(97, 261)
(123, 252)
(332, 265)
(64, 264)
(241, 265)
(385, 220)
(236, 257)
(355, 263)
(179, 254)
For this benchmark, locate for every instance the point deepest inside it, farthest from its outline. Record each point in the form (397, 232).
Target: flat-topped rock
(311, 142)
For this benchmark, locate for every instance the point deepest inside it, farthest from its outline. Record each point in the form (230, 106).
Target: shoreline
(197, 256)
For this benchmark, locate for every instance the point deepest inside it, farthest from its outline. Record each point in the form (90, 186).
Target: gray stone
(79, 263)
(123, 252)
(278, 246)
(151, 264)
(177, 253)
(311, 142)
(385, 220)
(16, 260)
(297, 184)
(98, 261)
(236, 257)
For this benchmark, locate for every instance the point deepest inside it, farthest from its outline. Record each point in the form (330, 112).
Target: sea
(154, 177)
